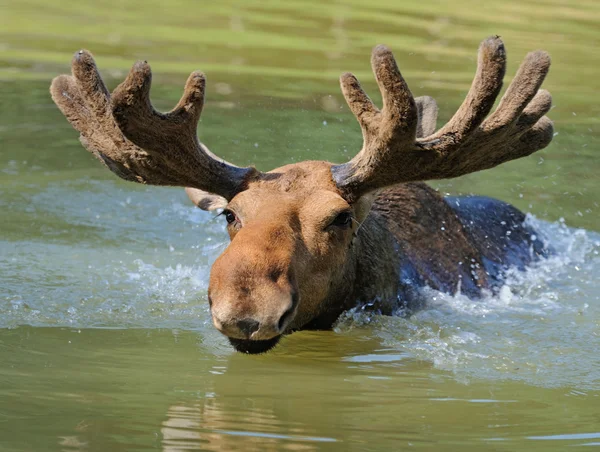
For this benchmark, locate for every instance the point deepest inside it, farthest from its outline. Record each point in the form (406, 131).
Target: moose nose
(257, 327)
(248, 326)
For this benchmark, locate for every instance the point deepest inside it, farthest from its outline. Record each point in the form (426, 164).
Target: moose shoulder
(313, 239)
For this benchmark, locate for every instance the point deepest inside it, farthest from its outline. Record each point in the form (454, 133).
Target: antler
(391, 151)
(135, 141)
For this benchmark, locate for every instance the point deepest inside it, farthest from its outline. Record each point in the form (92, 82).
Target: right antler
(135, 141)
(392, 152)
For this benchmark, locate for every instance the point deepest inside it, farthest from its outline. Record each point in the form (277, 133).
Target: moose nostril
(289, 313)
(284, 318)
(248, 326)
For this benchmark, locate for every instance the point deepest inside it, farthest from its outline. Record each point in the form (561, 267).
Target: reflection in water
(156, 390)
(209, 426)
(72, 443)
(75, 443)
(180, 430)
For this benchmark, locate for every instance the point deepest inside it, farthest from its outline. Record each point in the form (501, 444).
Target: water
(105, 335)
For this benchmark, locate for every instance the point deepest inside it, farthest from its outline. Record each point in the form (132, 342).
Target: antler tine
(538, 137)
(359, 103)
(67, 97)
(396, 124)
(521, 91)
(84, 100)
(491, 66)
(85, 72)
(538, 107)
(399, 108)
(516, 129)
(135, 141)
(392, 154)
(145, 126)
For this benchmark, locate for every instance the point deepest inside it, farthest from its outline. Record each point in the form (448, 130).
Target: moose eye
(343, 220)
(229, 216)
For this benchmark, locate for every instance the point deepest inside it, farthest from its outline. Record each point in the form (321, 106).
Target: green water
(105, 335)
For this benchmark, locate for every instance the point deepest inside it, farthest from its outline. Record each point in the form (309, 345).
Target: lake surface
(106, 342)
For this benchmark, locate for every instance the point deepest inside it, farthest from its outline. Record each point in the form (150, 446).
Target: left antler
(135, 141)
(391, 151)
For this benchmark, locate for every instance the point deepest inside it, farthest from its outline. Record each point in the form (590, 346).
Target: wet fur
(413, 237)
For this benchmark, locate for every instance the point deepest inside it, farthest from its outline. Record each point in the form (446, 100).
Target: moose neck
(411, 238)
(370, 277)
(379, 262)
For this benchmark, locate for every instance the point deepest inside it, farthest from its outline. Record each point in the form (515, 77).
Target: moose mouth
(253, 347)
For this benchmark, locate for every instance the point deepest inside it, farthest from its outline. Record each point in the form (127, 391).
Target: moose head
(293, 230)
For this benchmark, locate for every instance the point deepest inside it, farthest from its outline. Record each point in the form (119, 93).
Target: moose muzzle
(252, 293)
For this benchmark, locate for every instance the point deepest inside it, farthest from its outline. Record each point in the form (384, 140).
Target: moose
(313, 239)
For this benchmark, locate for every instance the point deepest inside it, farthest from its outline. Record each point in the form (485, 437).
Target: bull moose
(312, 239)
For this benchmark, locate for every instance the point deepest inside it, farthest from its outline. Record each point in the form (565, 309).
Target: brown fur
(313, 239)
(430, 234)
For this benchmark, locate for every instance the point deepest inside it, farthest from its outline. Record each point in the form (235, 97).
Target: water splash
(542, 327)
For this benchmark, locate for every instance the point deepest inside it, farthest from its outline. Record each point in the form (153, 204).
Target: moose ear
(362, 206)
(427, 111)
(206, 200)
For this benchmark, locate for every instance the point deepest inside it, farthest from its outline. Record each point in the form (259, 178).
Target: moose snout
(253, 294)
(234, 321)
